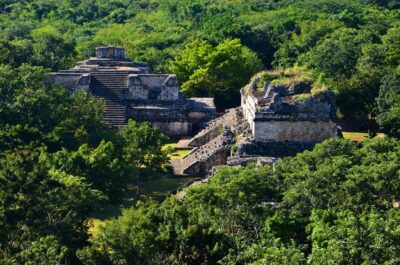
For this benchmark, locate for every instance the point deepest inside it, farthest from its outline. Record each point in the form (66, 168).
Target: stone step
(110, 86)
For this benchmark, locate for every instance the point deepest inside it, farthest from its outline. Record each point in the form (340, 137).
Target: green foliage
(217, 72)
(389, 105)
(47, 250)
(331, 205)
(33, 112)
(58, 160)
(331, 37)
(346, 238)
(35, 202)
(335, 56)
(143, 150)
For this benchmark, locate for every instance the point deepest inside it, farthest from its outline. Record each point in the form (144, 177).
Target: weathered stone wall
(83, 82)
(153, 87)
(306, 131)
(136, 88)
(170, 88)
(68, 80)
(272, 149)
(110, 52)
(249, 107)
(202, 159)
(174, 128)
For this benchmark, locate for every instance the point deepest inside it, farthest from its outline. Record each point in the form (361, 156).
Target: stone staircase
(214, 128)
(110, 86)
(200, 160)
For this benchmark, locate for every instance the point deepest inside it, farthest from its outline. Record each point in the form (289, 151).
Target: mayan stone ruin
(274, 120)
(280, 115)
(130, 91)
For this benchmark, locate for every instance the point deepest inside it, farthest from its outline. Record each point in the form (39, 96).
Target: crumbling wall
(272, 149)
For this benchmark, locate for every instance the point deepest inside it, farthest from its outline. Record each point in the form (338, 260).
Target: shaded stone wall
(272, 149)
(68, 80)
(136, 88)
(110, 52)
(307, 131)
(174, 128)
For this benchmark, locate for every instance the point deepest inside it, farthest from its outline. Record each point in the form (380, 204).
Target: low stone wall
(244, 161)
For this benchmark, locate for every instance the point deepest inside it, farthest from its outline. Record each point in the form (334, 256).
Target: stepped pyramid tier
(130, 91)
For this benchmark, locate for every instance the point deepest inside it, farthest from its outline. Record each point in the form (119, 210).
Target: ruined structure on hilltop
(281, 114)
(129, 90)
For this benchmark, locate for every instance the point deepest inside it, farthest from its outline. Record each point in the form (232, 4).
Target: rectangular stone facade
(174, 128)
(152, 87)
(300, 131)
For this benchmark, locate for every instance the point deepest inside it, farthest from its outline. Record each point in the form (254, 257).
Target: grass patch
(359, 136)
(301, 97)
(175, 153)
(179, 153)
(288, 78)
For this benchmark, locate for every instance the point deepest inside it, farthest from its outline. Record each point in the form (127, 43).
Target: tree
(37, 202)
(47, 250)
(356, 96)
(389, 105)
(103, 167)
(50, 48)
(336, 55)
(217, 72)
(142, 151)
(347, 238)
(34, 112)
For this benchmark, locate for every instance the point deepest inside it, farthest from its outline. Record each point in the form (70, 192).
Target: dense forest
(336, 204)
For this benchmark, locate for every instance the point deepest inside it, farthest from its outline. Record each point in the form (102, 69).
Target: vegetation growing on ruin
(289, 78)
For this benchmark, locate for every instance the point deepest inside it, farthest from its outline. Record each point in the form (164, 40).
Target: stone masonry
(130, 91)
(274, 121)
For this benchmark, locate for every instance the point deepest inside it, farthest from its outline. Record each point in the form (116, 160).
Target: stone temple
(281, 117)
(130, 91)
